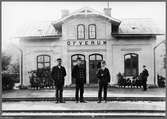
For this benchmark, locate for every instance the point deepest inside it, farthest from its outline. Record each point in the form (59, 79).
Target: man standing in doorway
(145, 74)
(103, 76)
(58, 74)
(79, 74)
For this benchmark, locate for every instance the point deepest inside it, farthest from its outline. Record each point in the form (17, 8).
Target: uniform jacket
(77, 76)
(103, 76)
(145, 74)
(58, 75)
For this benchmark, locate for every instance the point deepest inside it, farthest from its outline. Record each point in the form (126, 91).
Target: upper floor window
(80, 32)
(115, 28)
(43, 61)
(131, 64)
(92, 31)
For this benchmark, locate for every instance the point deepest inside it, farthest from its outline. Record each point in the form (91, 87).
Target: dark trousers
(59, 93)
(102, 87)
(79, 88)
(145, 85)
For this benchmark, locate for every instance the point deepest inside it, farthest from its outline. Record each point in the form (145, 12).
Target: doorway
(94, 64)
(73, 63)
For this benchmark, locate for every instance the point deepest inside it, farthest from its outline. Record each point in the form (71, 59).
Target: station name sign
(131, 49)
(86, 42)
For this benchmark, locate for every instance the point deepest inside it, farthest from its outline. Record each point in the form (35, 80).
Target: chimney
(107, 11)
(64, 13)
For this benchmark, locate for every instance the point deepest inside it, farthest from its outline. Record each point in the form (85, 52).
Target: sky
(16, 14)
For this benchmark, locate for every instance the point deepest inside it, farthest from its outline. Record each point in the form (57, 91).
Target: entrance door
(94, 64)
(73, 63)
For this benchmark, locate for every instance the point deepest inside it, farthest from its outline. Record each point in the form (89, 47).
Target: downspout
(21, 65)
(21, 70)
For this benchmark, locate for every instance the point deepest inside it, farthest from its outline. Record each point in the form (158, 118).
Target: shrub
(22, 87)
(41, 78)
(161, 81)
(7, 82)
(121, 80)
(136, 81)
(6, 59)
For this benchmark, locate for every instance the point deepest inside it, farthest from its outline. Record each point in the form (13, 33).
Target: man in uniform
(103, 76)
(144, 76)
(58, 74)
(79, 74)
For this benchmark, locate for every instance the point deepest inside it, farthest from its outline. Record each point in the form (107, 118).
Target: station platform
(90, 94)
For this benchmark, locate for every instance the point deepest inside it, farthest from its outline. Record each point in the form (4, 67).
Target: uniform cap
(103, 62)
(59, 59)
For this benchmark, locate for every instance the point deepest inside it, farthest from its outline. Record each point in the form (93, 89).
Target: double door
(94, 64)
(74, 62)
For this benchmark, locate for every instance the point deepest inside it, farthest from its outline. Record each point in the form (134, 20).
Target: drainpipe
(21, 64)
(155, 60)
(21, 67)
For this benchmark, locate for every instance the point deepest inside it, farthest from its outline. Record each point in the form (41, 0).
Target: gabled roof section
(37, 29)
(87, 11)
(138, 26)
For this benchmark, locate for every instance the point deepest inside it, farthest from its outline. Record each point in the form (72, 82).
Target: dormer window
(80, 32)
(92, 31)
(115, 28)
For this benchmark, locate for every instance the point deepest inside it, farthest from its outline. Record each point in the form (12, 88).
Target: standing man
(103, 76)
(58, 74)
(79, 74)
(145, 74)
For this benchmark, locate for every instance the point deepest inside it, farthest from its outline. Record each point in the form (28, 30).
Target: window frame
(78, 55)
(95, 54)
(89, 31)
(131, 67)
(43, 62)
(78, 32)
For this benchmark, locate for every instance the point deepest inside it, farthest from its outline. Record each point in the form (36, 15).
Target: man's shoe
(105, 101)
(99, 102)
(57, 101)
(83, 101)
(76, 101)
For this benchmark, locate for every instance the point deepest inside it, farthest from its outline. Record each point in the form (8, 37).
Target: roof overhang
(44, 38)
(86, 12)
(133, 35)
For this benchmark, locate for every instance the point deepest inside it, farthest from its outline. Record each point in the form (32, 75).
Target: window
(95, 57)
(43, 61)
(131, 64)
(92, 31)
(114, 28)
(80, 32)
(74, 57)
